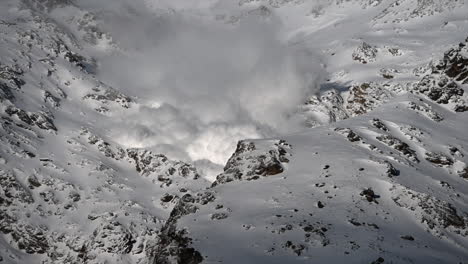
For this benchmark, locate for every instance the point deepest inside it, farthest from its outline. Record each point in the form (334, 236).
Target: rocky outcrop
(112, 237)
(28, 238)
(442, 84)
(173, 246)
(324, 108)
(105, 97)
(249, 162)
(439, 159)
(42, 120)
(350, 135)
(366, 97)
(365, 53)
(12, 191)
(400, 146)
(12, 75)
(159, 167)
(6, 93)
(437, 215)
(425, 110)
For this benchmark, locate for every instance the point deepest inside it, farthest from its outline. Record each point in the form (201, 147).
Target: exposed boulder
(249, 162)
(370, 195)
(365, 53)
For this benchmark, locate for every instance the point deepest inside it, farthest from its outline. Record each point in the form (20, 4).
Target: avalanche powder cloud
(203, 84)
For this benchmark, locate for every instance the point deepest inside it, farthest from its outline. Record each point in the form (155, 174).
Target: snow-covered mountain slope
(118, 119)
(69, 194)
(389, 185)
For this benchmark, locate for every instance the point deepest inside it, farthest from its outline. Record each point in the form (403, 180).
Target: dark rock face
(454, 64)
(112, 237)
(440, 90)
(249, 163)
(41, 120)
(442, 84)
(5, 93)
(174, 245)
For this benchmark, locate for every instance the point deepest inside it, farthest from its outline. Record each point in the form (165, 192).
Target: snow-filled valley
(236, 131)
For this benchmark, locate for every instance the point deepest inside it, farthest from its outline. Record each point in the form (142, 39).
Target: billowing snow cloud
(203, 84)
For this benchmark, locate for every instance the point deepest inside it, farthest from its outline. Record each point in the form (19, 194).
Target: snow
(150, 98)
(256, 204)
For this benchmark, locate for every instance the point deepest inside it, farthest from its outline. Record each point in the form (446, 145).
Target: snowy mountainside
(359, 115)
(69, 193)
(395, 177)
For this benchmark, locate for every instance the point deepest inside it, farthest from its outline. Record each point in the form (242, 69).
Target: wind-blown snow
(203, 85)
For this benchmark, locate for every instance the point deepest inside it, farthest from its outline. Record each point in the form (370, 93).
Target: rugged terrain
(377, 171)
